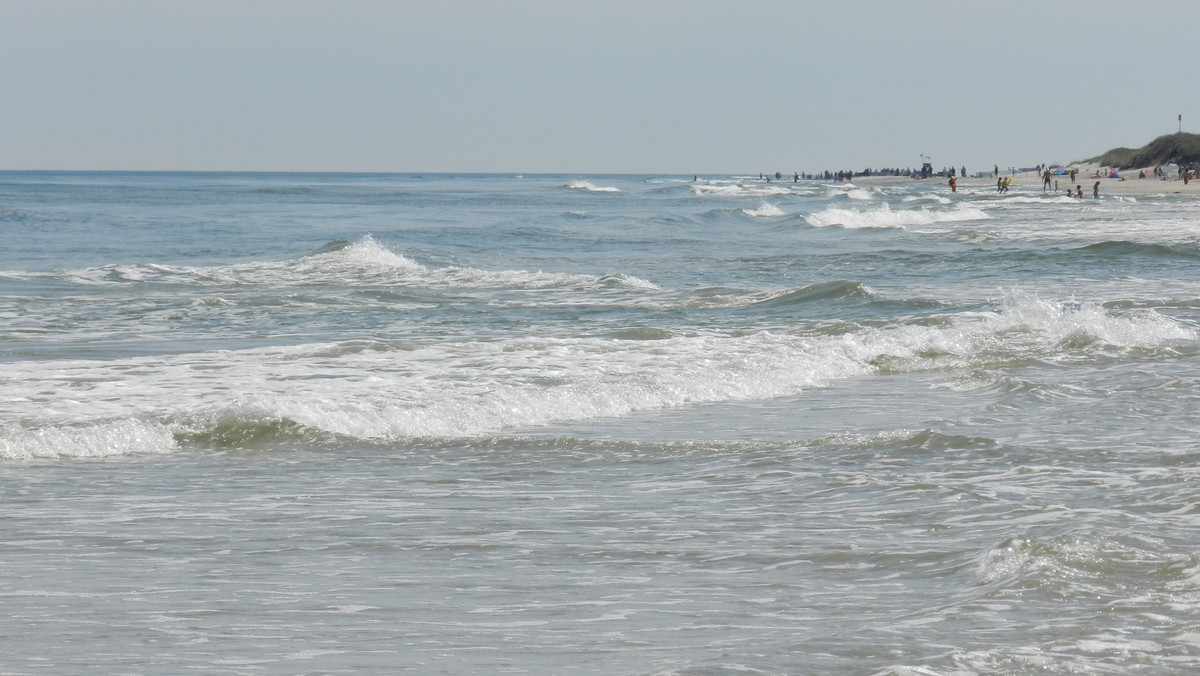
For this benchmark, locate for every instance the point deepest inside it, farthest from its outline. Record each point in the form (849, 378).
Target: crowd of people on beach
(849, 174)
(839, 176)
(1050, 178)
(1186, 173)
(1048, 175)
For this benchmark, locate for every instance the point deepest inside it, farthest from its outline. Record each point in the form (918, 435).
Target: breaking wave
(365, 262)
(382, 391)
(588, 186)
(884, 217)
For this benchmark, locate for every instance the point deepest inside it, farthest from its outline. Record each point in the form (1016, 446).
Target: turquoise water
(333, 423)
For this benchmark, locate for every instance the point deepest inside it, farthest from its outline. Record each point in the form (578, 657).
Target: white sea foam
(927, 197)
(884, 217)
(1024, 326)
(96, 439)
(1038, 199)
(480, 388)
(590, 187)
(1002, 562)
(853, 192)
(764, 210)
(746, 189)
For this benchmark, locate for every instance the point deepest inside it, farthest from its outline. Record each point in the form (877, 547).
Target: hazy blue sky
(593, 86)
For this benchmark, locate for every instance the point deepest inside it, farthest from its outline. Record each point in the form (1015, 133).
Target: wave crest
(588, 186)
(885, 217)
(339, 263)
(764, 210)
(375, 390)
(820, 291)
(99, 439)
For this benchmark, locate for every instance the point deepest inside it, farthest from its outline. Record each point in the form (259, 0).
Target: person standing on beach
(1045, 181)
(953, 185)
(1096, 190)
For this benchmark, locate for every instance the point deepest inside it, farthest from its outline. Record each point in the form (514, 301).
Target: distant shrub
(1181, 148)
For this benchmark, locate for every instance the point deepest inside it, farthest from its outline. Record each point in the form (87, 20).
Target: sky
(710, 87)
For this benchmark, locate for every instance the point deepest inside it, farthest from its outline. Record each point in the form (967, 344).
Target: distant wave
(818, 291)
(853, 192)
(590, 187)
(928, 197)
(365, 262)
(725, 298)
(1030, 199)
(885, 217)
(764, 210)
(1125, 248)
(747, 189)
(905, 440)
(21, 216)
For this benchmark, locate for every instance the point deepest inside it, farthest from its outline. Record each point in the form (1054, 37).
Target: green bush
(1181, 148)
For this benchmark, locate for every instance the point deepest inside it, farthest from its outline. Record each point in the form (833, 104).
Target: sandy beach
(1029, 181)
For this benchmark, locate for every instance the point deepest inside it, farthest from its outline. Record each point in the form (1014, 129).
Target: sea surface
(476, 424)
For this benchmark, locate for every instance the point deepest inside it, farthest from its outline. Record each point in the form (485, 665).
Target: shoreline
(1029, 182)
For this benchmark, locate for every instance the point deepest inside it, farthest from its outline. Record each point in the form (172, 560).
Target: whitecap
(590, 187)
(741, 189)
(764, 210)
(885, 217)
(470, 389)
(98, 439)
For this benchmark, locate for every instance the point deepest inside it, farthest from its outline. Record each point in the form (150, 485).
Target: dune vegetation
(1180, 148)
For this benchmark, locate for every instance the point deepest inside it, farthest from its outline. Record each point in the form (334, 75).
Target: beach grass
(1180, 148)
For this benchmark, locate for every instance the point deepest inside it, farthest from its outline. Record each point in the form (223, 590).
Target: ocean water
(450, 424)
